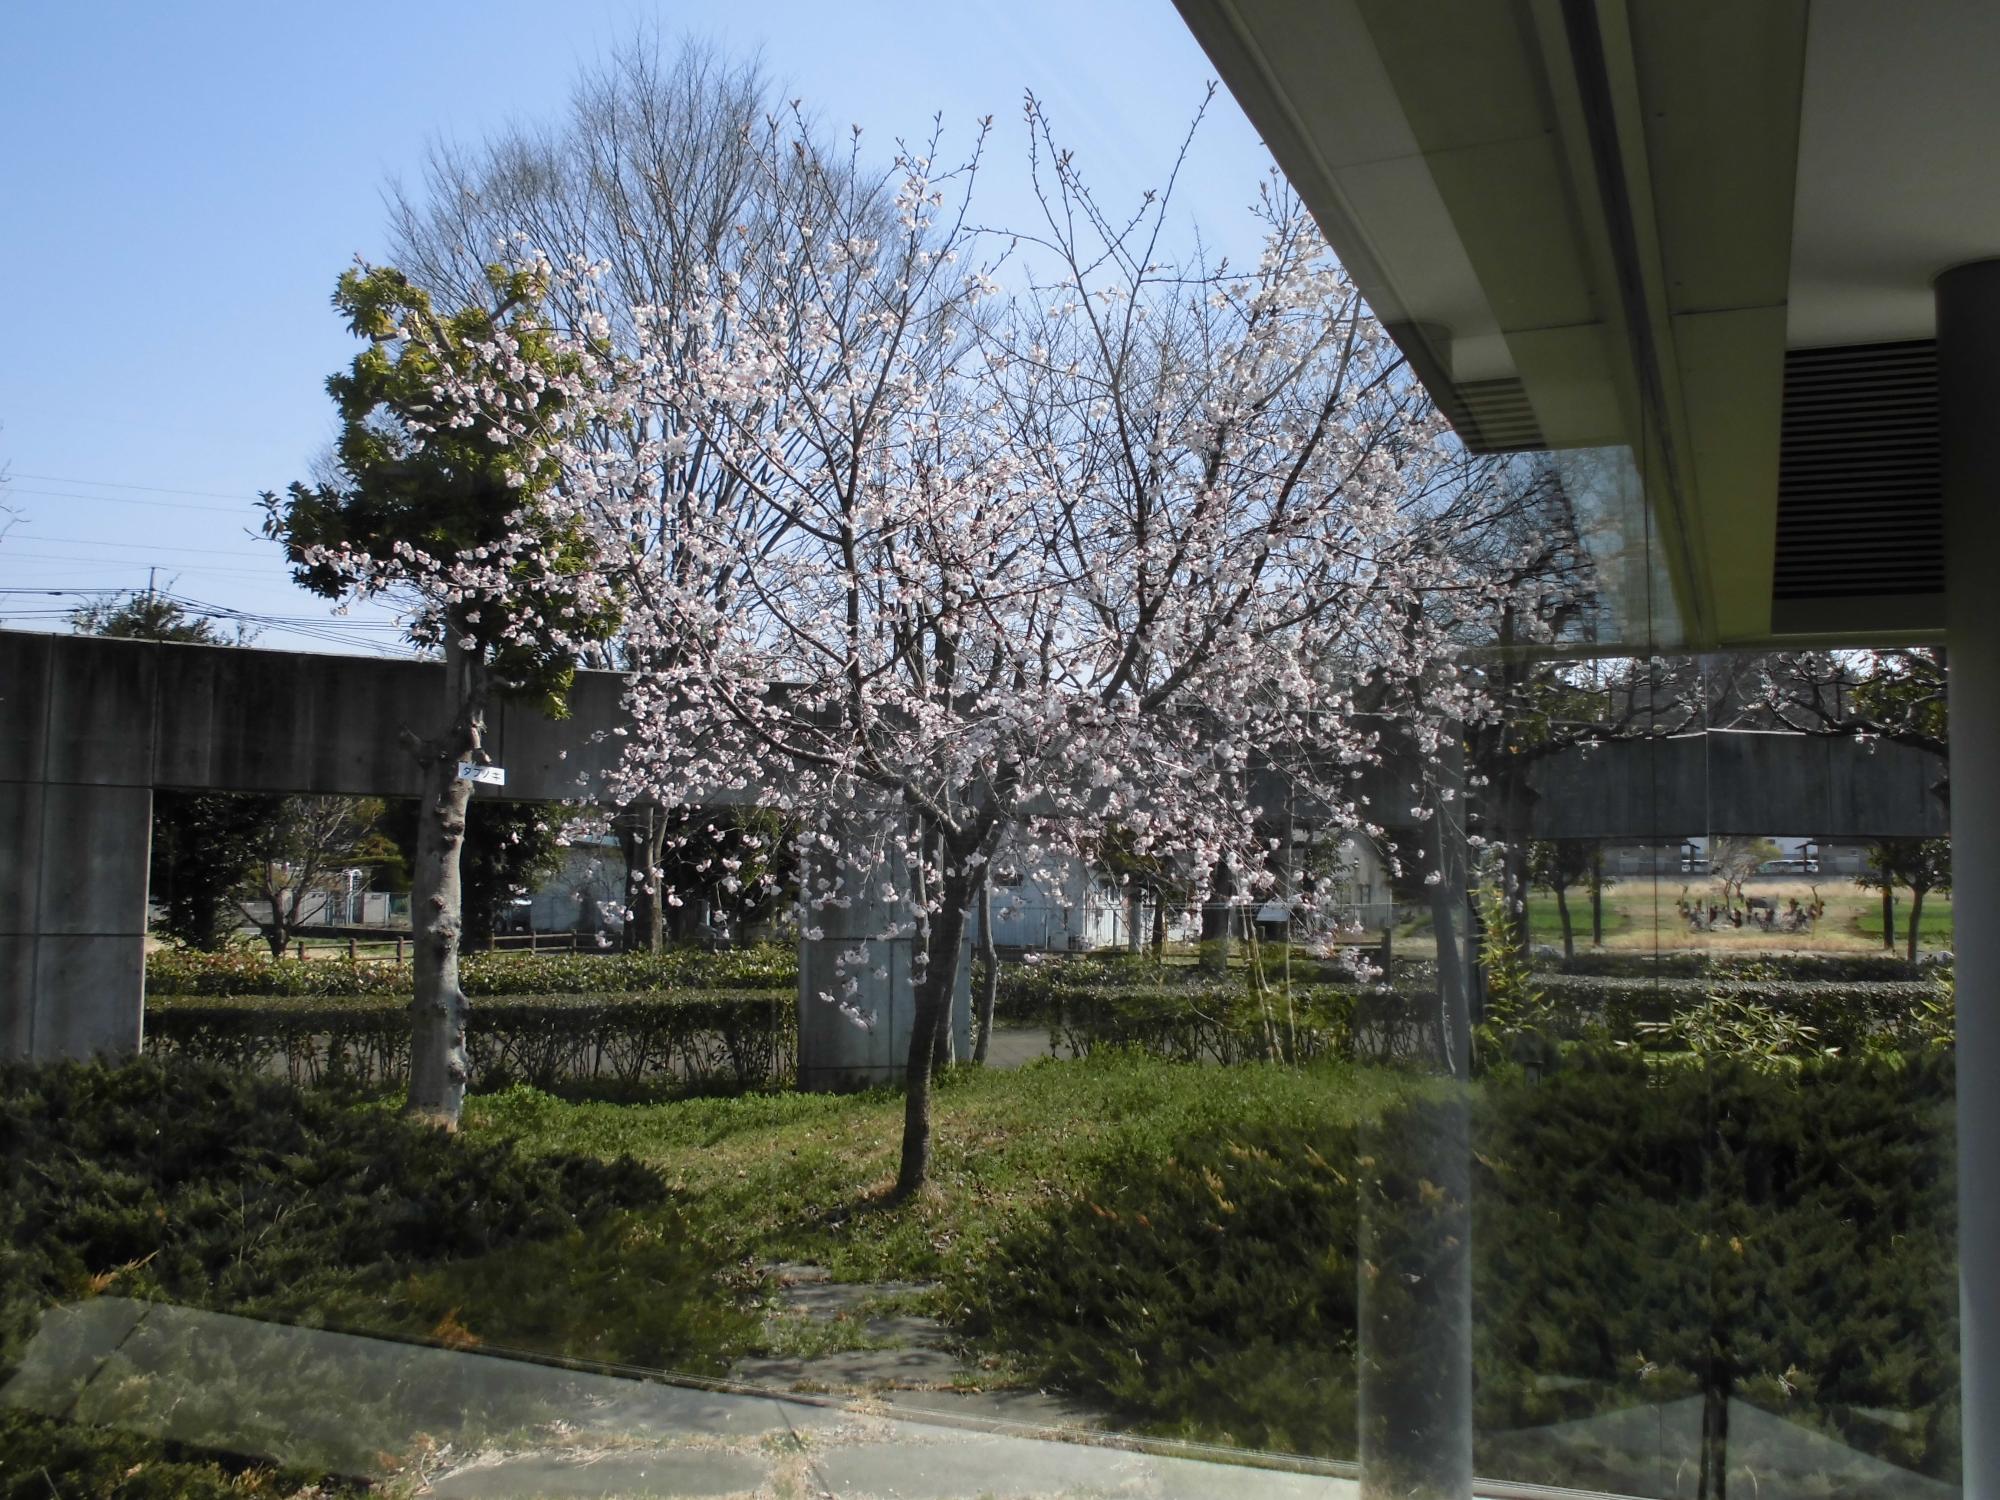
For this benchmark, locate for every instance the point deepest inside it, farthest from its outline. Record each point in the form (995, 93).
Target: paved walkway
(878, 1351)
(457, 1424)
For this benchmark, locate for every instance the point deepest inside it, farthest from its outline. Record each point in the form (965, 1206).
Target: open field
(1643, 915)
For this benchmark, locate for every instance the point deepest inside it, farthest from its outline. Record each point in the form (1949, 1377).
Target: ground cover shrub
(199, 1186)
(691, 1039)
(1788, 1239)
(184, 972)
(41, 1457)
(1637, 1237)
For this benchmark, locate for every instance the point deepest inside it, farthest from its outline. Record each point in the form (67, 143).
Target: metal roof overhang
(1604, 229)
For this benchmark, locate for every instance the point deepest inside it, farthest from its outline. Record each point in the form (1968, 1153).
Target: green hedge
(1824, 967)
(697, 1039)
(185, 972)
(1180, 1013)
(1844, 1014)
(1637, 1237)
(1219, 1024)
(1177, 1012)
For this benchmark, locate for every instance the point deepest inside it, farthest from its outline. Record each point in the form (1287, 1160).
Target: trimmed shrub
(199, 1186)
(1637, 1237)
(1177, 1012)
(1823, 967)
(1218, 1024)
(695, 1040)
(176, 972)
(1846, 1015)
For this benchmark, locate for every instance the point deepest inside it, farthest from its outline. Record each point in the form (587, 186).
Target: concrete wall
(88, 727)
(76, 810)
(1741, 782)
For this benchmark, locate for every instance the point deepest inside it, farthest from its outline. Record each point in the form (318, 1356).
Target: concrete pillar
(860, 1038)
(1414, 1279)
(76, 809)
(1968, 322)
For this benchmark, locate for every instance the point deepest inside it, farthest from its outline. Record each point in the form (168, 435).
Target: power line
(155, 489)
(11, 553)
(87, 541)
(220, 510)
(343, 622)
(327, 633)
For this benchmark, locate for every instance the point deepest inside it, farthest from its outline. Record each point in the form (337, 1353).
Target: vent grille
(1860, 495)
(1493, 416)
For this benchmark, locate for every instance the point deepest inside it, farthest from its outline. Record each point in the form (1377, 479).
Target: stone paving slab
(913, 1463)
(1023, 1408)
(829, 1299)
(907, 1328)
(858, 1369)
(670, 1472)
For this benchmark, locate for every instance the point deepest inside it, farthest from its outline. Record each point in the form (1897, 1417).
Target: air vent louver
(1494, 416)
(1860, 500)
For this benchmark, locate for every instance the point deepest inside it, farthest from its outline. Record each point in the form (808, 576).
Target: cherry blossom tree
(449, 495)
(1131, 545)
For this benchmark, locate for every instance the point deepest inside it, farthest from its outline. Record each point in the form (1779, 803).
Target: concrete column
(1968, 321)
(860, 1038)
(1414, 1243)
(75, 834)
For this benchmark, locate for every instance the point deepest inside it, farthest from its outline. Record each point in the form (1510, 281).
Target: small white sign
(484, 775)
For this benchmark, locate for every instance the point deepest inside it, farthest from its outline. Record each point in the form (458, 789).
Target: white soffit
(1899, 164)
(1609, 228)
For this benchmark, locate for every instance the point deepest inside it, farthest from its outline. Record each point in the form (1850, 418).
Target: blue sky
(184, 182)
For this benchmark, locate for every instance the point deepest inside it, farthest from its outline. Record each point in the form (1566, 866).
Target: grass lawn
(1934, 930)
(790, 1176)
(1545, 922)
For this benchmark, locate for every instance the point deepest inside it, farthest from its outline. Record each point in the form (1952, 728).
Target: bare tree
(1734, 860)
(299, 856)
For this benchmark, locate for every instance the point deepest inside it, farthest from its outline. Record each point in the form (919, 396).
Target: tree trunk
(933, 1010)
(1597, 898)
(1135, 915)
(1712, 1476)
(989, 967)
(439, 1063)
(1216, 914)
(1888, 916)
(1562, 913)
(642, 834)
(1915, 918)
(1159, 925)
(1448, 910)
